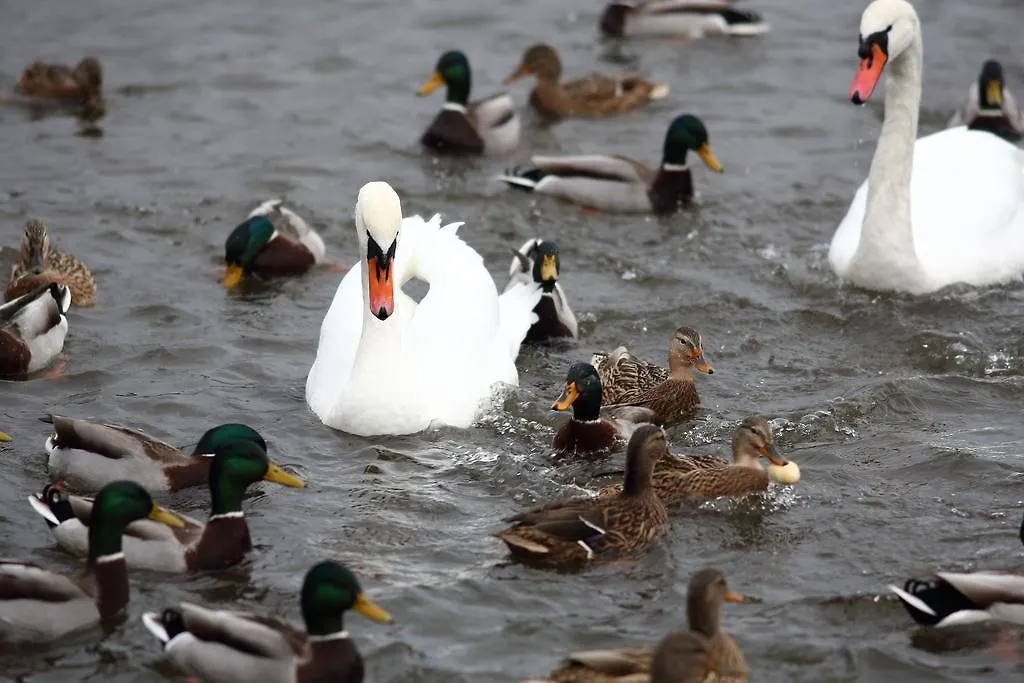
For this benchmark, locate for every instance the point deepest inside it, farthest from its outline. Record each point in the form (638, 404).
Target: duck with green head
(273, 241)
(235, 647)
(587, 433)
(537, 262)
(37, 605)
(221, 543)
(621, 184)
(990, 106)
(487, 126)
(87, 455)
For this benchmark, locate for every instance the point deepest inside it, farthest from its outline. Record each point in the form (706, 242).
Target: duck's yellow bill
(734, 597)
(709, 158)
(994, 93)
(548, 268)
(435, 81)
(4, 437)
(368, 609)
(568, 396)
(232, 276)
(159, 514)
(279, 476)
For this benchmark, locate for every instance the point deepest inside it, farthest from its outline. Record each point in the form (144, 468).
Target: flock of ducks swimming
(374, 332)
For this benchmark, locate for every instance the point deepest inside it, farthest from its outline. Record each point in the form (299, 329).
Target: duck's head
(704, 597)
(539, 60)
(237, 465)
(582, 392)
(545, 265)
(685, 350)
(242, 247)
(646, 447)
(378, 222)
(753, 439)
(329, 590)
(117, 505)
(887, 29)
(35, 246)
(990, 85)
(687, 133)
(89, 73)
(224, 433)
(452, 69)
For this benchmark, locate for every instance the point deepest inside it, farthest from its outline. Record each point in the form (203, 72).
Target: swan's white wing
(339, 339)
(515, 307)
(967, 210)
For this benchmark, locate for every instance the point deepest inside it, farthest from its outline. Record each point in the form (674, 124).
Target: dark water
(904, 414)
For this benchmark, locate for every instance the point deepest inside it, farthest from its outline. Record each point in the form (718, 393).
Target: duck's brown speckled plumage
(678, 479)
(571, 533)
(39, 264)
(700, 654)
(82, 84)
(590, 96)
(671, 394)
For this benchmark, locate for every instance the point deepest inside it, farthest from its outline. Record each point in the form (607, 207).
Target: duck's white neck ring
(454, 106)
(337, 635)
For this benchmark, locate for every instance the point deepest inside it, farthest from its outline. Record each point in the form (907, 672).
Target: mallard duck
(689, 19)
(220, 646)
(990, 106)
(39, 264)
(273, 241)
(88, 455)
(221, 543)
(587, 433)
(950, 599)
(696, 655)
(671, 394)
(682, 478)
(576, 531)
(592, 96)
(537, 262)
(79, 85)
(621, 184)
(32, 330)
(37, 605)
(488, 126)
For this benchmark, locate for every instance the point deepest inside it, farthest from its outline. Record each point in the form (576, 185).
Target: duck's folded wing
(255, 634)
(1013, 112)
(20, 581)
(495, 111)
(618, 662)
(986, 588)
(596, 166)
(109, 440)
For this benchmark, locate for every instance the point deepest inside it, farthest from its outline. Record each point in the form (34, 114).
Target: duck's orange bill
(521, 70)
(700, 363)
(868, 73)
(568, 396)
(733, 597)
(382, 291)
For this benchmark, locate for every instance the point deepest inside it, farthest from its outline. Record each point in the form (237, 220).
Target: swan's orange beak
(382, 289)
(868, 73)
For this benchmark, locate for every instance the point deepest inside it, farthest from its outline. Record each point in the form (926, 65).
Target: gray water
(903, 413)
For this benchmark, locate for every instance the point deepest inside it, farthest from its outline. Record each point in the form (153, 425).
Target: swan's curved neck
(886, 247)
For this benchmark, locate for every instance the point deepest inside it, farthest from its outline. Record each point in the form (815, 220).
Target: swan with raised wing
(945, 209)
(387, 364)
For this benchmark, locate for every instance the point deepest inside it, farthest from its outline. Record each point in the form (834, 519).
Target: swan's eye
(889, 28)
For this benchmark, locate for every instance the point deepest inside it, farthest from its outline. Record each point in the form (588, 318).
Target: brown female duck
(82, 84)
(671, 394)
(696, 655)
(40, 265)
(592, 96)
(681, 478)
(573, 532)
(587, 433)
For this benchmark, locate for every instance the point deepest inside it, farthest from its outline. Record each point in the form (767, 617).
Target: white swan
(946, 209)
(389, 365)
